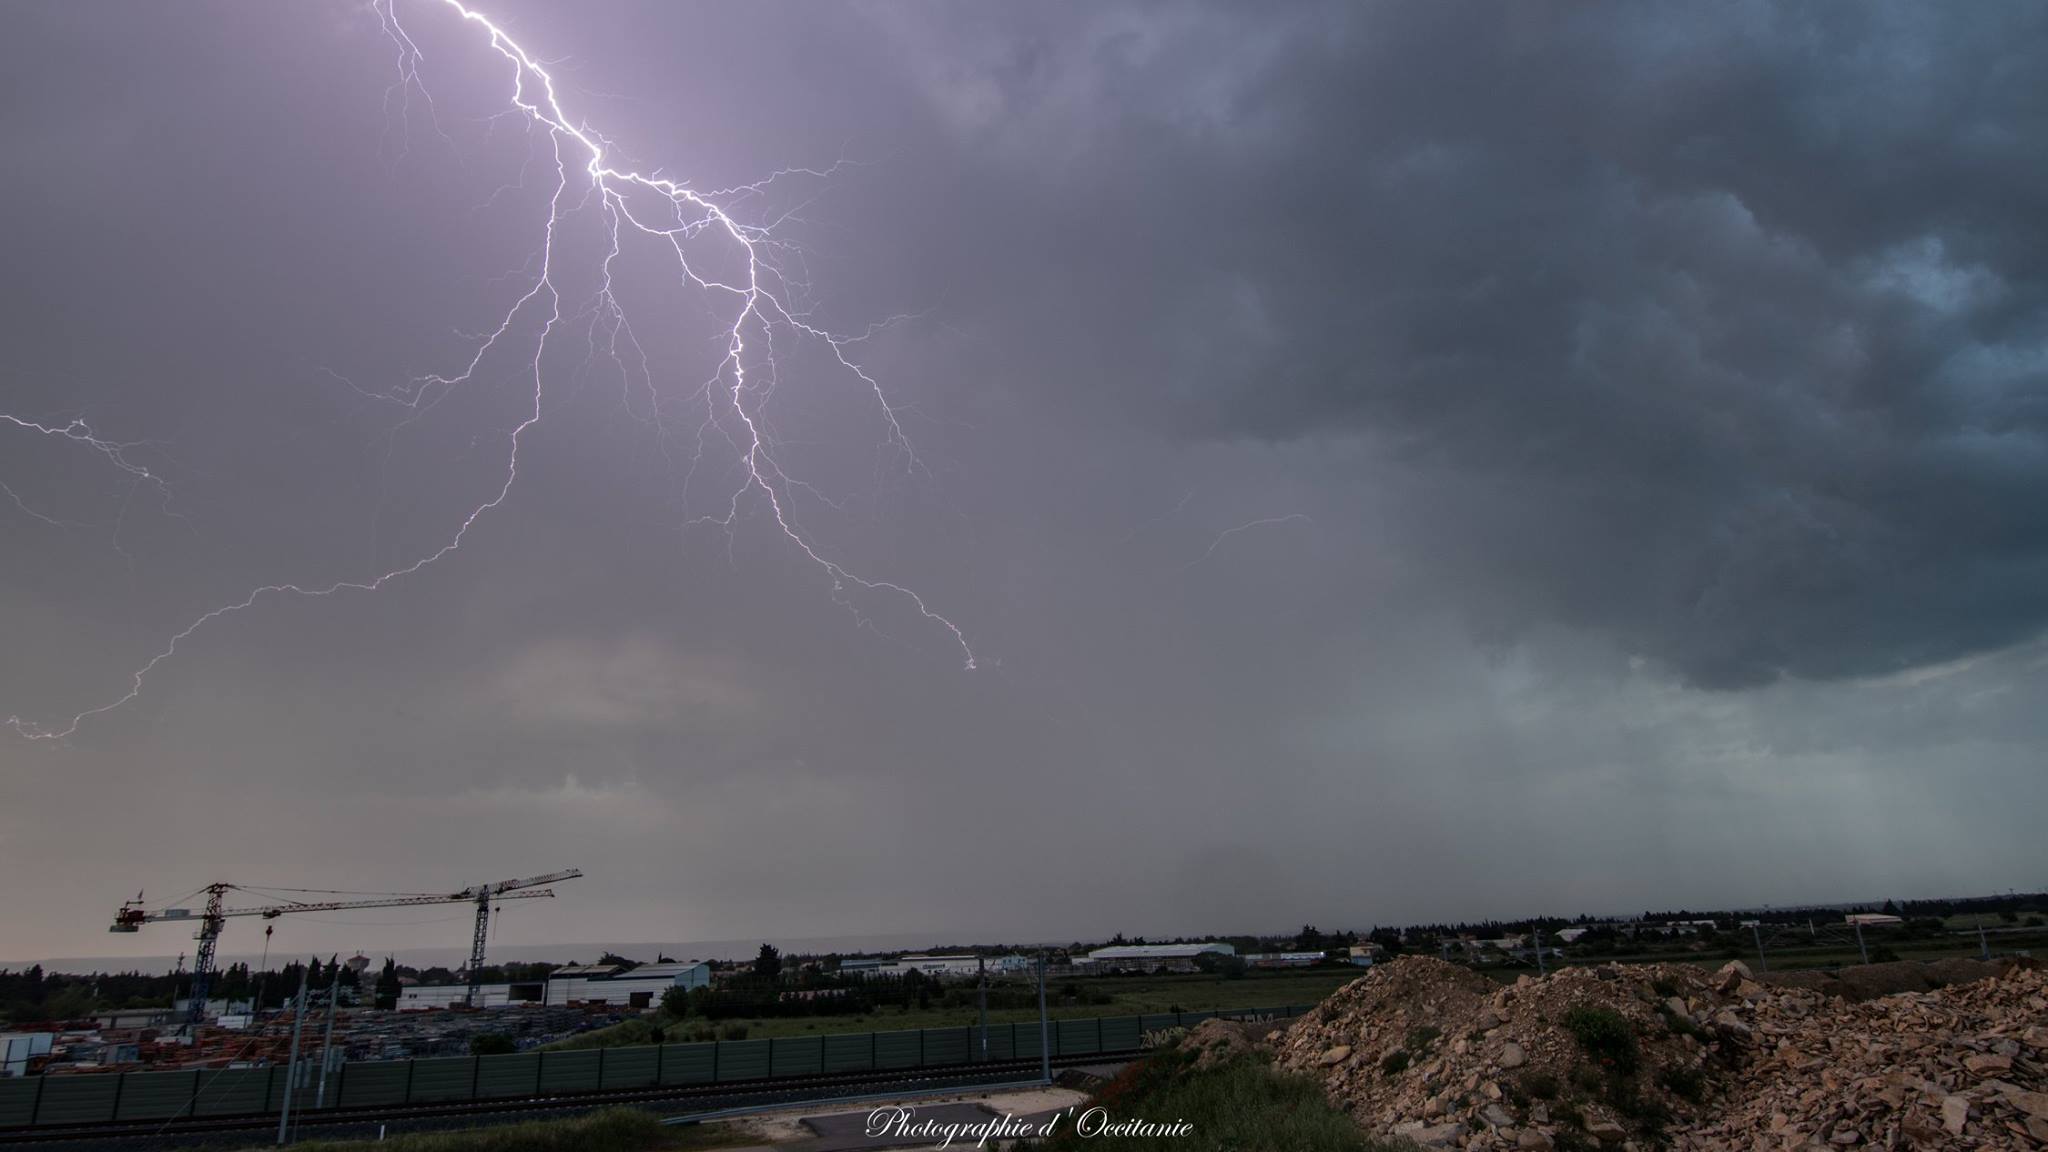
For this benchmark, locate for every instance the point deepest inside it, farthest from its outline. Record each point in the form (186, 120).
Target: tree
(769, 962)
(613, 958)
(492, 1044)
(388, 987)
(676, 1002)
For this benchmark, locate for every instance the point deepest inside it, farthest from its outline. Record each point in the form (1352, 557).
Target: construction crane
(133, 915)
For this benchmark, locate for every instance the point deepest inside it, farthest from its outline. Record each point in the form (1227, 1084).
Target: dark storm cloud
(1633, 416)
(1718, 328)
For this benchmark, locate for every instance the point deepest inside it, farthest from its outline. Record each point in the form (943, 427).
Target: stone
(1532, 1139)
(1955, 1112)
(1846, 1136)
(1497, 1116)
(1731, 975)
(1729, 1022)
(1983, 1065)
(1334, 1056)
(1676, 1006)
(1607, 1131)
(1512, 1056)
(1488, 1022)
(1490, 1090)
(2032, 1103)
(1437, 1135)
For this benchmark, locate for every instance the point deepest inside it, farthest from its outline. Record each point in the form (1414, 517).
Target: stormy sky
(1389, 462)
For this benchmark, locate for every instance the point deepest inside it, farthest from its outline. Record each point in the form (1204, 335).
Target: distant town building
(1284, 959)
(1874, 919)
(613, 987)
(955, 966)
(435, 997)
(1153, 957)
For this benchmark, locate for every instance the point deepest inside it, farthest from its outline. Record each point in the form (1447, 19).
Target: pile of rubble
(1631, 1057)
(1962, 1066)
(1218, 1041)
(1440, 1055)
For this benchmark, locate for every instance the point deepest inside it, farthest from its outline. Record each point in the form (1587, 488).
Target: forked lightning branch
(698, 231)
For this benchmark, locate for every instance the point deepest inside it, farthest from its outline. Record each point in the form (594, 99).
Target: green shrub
(491, 1044)
(1395, 1063)
(1421, 1037)
(1539, 1085)
(733, 1032)
(1665, 986)
(1604, 1035)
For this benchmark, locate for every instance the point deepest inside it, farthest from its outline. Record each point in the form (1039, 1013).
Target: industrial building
(1285, 959)
(956, 966)
(1152, 957)
(434, 997)
(611, 986)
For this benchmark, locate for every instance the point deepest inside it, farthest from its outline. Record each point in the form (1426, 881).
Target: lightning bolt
(1227, 533)
(637, 207)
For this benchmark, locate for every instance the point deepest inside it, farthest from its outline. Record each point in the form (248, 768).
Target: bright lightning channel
(759, 308)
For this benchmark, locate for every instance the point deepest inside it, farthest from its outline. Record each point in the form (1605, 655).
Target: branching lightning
(635, 207)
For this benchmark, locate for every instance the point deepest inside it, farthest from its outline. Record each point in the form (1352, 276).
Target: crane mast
(133, 915)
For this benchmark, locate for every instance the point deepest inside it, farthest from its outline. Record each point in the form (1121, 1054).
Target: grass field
(1243, 1104)
(1129, 995)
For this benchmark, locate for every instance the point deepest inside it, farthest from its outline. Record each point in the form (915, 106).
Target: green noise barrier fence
(38, 1101)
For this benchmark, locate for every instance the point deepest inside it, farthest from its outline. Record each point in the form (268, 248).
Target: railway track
(336, 1123)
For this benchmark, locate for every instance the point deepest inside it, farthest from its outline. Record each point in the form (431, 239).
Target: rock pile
(1961, 1067)
(1219, 1041)
(1439, 1055)
(1627, 1057)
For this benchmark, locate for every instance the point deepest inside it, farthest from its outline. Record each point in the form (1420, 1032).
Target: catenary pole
(327, 1034)
(291, 1074)
(1044, 1028)
(981, 969)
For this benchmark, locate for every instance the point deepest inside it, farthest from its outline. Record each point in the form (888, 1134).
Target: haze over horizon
(1388, 463)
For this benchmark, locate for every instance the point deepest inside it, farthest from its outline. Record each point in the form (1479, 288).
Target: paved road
(850, 1131)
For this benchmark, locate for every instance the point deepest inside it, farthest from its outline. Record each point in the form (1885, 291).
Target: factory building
(634, 988)
(432, 997)
(951, 966)
(1285, 959)
(954, 966)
